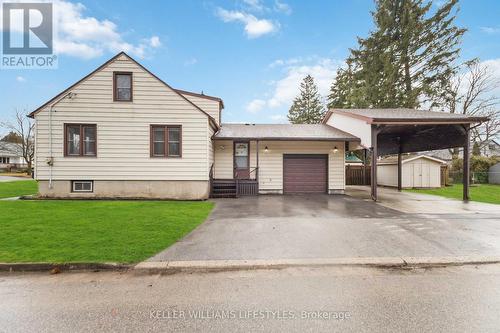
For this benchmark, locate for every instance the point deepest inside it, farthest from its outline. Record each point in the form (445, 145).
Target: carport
(398, 131)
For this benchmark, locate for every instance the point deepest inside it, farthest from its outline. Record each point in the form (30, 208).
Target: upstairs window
(122, 86)
(166, 141)
(80, 140)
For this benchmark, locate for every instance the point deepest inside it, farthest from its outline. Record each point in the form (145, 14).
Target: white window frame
(74, 182)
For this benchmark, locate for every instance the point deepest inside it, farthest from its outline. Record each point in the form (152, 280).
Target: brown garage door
(305, 173)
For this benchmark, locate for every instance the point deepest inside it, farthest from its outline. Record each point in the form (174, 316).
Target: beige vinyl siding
(123, 131)
(387, 175)
(271, 162)
(209, 106)
(210, 147)
(223, 159)
(354, 126)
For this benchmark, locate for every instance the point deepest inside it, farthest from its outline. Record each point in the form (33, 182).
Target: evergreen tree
(406, 61)
(12, 137)
(341, 91)
(307, 108)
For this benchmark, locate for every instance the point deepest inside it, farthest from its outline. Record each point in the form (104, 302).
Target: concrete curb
(60, 267)
(192, 266)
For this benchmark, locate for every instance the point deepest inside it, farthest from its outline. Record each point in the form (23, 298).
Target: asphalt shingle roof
(393, 159)
(318, 132)
(401, 114)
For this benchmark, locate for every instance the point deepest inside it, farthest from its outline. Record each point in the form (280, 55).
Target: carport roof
(401, 115)
(283, 132)
(408, 158)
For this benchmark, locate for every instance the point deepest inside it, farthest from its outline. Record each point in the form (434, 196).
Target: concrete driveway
(323, 226)
(415, 203)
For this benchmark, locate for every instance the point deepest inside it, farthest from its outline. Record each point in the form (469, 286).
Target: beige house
(123, 132)
(11, 156)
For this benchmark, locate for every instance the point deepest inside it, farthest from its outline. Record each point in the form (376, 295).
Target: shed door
(426, 174)
(417, 175)
(305, 173)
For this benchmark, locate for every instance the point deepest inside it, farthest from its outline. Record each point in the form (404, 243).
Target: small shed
(418, 171)
(494, 174)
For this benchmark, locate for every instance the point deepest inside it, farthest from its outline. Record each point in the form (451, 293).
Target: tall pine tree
(307, 108)
(406, 61)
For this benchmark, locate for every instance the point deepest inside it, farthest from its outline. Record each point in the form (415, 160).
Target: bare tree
(24, 127)
(472, 92)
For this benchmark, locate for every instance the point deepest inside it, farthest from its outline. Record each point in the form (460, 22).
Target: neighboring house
(11, 156)
(123, 132)
(418, 171)
(494, 174)
(444, 155)
(352, 160)
(491, 149)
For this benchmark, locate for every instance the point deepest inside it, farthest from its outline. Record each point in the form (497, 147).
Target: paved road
(457, 299)
(323, 226)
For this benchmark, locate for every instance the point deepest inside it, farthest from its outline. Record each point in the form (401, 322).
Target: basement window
(82, 186)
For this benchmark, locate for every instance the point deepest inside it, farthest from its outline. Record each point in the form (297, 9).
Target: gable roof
(402, 115)
(67, 90)
(202, 95)
(408, 158)
(307, 132)
(352, 158)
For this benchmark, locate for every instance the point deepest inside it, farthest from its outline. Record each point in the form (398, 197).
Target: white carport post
(400, 165)
(375, 130)
(466, 165)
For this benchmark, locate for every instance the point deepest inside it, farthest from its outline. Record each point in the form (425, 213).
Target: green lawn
(483, 193)
(93, 231)
(18, 188)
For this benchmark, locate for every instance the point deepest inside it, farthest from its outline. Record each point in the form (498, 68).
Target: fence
(354, 175)
(357, 175)
(456, 177)
(360, 175)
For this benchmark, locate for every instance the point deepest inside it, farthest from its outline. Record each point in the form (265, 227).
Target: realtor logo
(27, 32)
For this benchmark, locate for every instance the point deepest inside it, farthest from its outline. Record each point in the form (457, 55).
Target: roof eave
(410, 121)
(416, 121)
(215, 137)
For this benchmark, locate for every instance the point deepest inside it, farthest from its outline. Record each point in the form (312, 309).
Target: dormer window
(122, 86)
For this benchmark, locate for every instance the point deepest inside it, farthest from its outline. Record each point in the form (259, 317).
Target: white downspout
(50, 160)
(51, 156)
